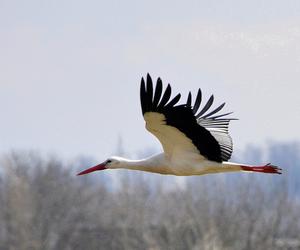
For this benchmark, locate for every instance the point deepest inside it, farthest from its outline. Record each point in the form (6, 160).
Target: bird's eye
(108, 161)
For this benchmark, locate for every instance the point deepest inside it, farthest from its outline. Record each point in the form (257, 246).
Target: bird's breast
(189, 164)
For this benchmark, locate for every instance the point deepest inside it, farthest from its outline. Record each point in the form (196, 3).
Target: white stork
(195, 142)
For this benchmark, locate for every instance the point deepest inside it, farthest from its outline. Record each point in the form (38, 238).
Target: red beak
(101, 166)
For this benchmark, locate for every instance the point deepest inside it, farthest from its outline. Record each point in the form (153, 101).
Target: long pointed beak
(100, 166)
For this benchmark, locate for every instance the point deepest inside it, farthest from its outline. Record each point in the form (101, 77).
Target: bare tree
(45, 206)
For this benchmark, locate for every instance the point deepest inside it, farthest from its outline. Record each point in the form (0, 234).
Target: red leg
(270, 169)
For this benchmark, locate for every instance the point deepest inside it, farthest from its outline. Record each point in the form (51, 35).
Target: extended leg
(270, 169)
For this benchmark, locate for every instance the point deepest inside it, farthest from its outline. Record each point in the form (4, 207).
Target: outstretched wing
(180, 128)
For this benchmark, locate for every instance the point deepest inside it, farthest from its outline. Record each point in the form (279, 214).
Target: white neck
(142, 164)
(152, 164)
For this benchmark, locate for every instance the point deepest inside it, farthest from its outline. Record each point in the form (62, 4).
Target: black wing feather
(197, 102)
(173, 101)
(158, 91)
(149, 89)
(184, 118)
(214, 111)
(143, 96)
(189, 100)
(218, 116)
(165, 98)
(206, 107)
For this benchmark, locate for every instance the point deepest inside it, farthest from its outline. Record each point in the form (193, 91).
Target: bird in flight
(195, 140)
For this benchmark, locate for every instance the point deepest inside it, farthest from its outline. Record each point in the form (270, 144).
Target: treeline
(44, 205)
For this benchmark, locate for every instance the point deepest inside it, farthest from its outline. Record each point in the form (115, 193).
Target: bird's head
(112, 162)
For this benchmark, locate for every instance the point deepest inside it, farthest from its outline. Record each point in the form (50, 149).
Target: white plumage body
(180, 165)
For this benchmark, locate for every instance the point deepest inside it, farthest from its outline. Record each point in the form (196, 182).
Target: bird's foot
(269, 168)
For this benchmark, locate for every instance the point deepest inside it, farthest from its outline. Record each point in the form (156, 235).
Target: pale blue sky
(70, 70)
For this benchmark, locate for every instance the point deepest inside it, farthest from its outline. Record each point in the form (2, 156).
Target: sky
(70, 70)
